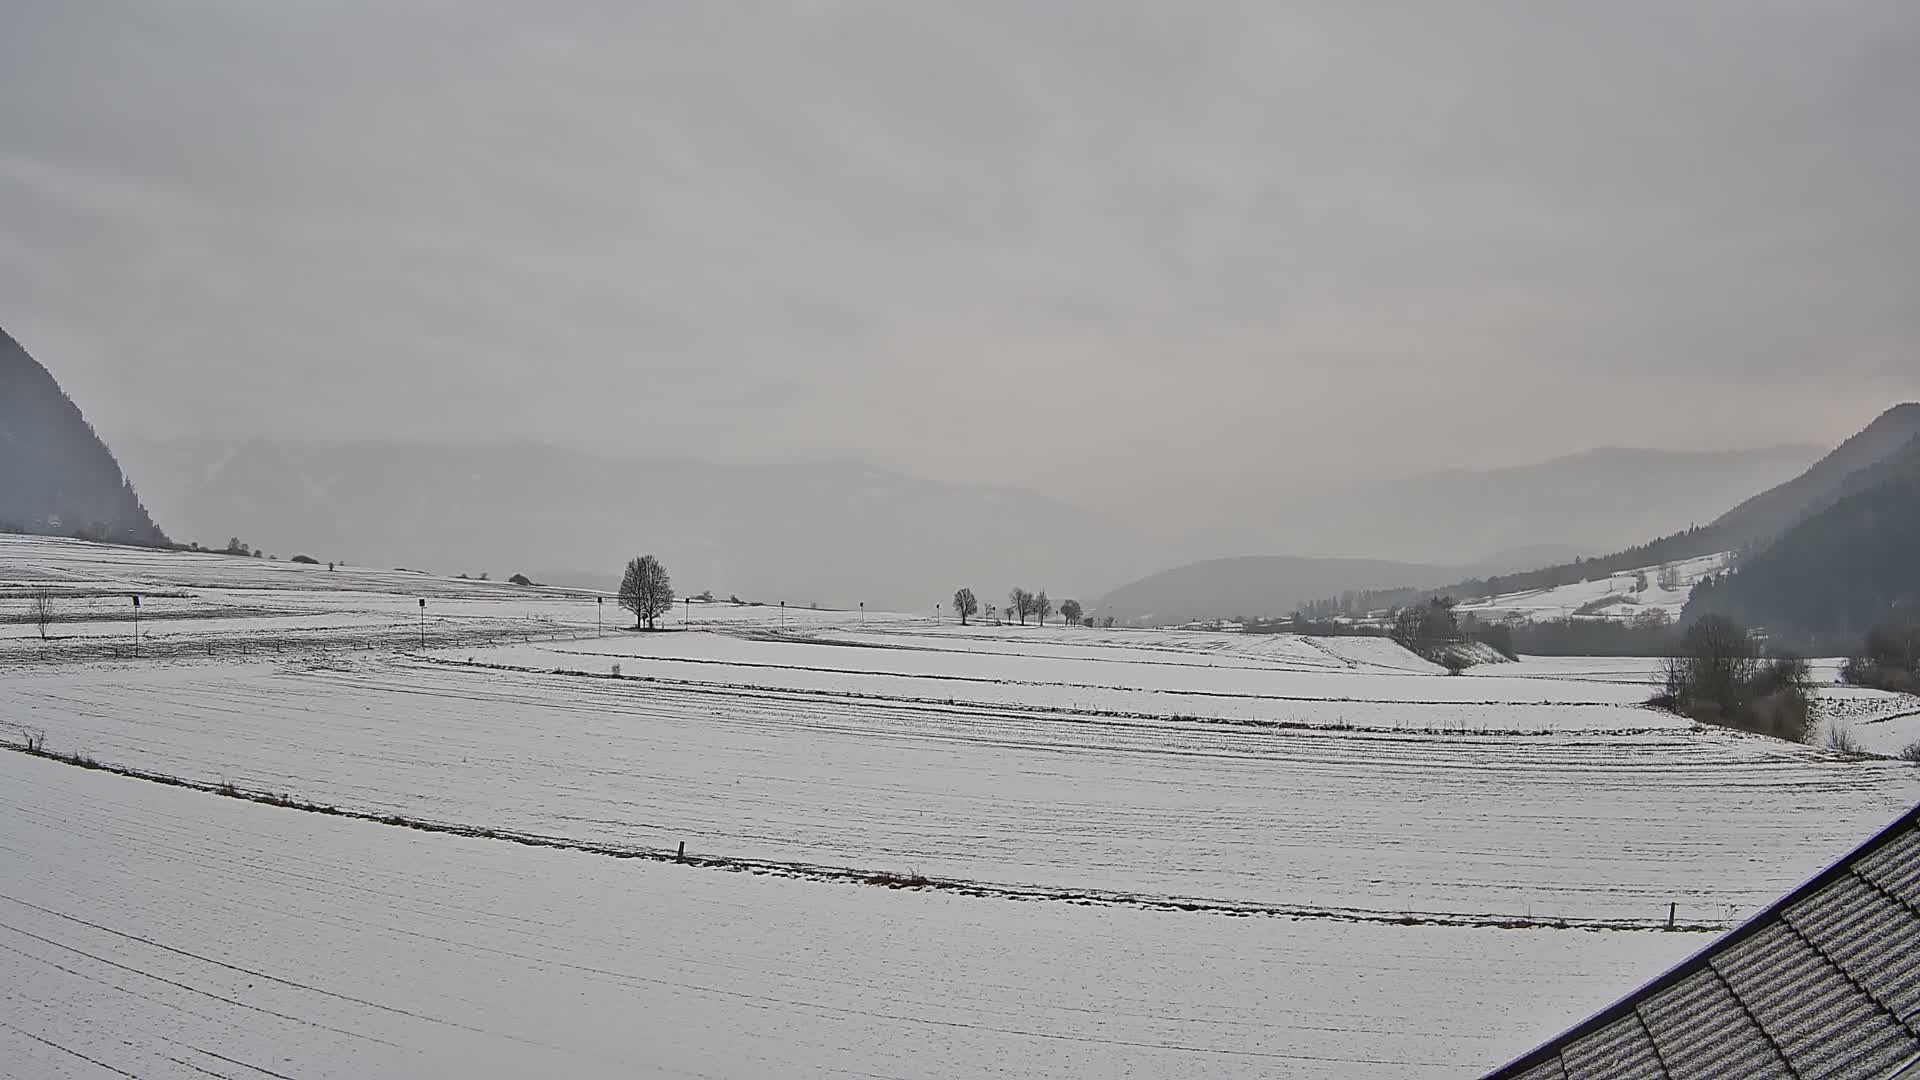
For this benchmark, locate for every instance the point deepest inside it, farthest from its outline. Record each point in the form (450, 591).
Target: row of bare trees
(1023, 605)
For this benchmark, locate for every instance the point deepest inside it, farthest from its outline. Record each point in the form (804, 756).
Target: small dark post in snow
(682, 856)
(783, 613)
(686, 618)
(1672, 910)
(136, 626)
(599, 607)
(863, 613)
(423, 622)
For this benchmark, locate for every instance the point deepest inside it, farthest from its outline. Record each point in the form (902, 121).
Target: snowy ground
(1155, 853)
(167, 933)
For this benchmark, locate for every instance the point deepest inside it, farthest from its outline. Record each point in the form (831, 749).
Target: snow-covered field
(167, 933)
(1155, 853)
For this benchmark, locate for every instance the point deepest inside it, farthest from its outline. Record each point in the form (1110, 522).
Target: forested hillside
(56, 476)
(1826, 581)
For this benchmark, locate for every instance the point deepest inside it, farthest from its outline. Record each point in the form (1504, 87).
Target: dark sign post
(599, 606)
(136, 626)
(423, 622)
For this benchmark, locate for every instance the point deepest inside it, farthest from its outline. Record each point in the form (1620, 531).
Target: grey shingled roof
(1823, 985)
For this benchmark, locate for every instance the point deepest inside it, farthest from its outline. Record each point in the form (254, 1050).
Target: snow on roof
(1824, 983)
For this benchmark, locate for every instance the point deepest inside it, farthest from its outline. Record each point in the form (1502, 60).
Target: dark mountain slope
(56, 476)
(1830, 577)
(1774, 510)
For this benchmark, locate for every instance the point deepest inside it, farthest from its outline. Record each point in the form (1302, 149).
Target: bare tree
(646, 590)
(1071, 611)
(966, 604)
(1711, 677)
(1022, 603)
(42, 612)
(1042, 606)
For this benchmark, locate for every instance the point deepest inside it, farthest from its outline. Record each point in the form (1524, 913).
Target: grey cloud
(1119, 252)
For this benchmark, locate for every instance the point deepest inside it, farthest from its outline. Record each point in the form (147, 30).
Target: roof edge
(1624, 1007)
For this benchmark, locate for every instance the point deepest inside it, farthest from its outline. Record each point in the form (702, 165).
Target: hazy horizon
(137, 441)
(1123, 255)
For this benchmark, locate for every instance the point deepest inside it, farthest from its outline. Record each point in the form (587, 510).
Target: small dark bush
(305, 559)
(1840, 737)
(1889, 658)
(898, 881)
(520, 579)
(1911, 752)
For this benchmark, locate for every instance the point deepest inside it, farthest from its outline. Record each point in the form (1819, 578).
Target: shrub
(305, 559)
(1840, 737)
(1717, 677)
(1911, 753)
(1888, 659)
(519, 579)
(1427, 629)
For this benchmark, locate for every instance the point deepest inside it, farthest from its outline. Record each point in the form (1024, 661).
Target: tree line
(1021, 605)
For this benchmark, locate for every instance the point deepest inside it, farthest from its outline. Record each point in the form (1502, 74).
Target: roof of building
(1824, 984)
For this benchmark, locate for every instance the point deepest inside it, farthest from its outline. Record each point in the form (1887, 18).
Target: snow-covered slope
(1613, 596)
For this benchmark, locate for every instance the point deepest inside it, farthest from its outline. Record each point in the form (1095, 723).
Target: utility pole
(136, 626)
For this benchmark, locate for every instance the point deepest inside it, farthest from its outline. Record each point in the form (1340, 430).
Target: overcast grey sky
(1110, 251)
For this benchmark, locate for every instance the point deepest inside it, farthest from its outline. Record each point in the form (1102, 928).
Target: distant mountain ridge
(1256, 586)
(836, 534)
(56, 476)
(1878, 452)
(1596, 500)
(1507, 510)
